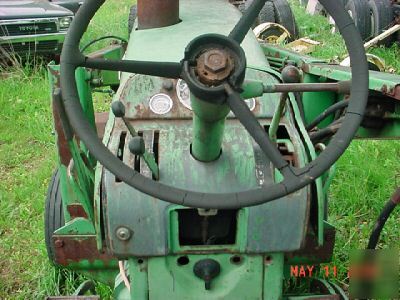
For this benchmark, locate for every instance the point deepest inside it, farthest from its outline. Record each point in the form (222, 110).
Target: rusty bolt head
(216, 60)
(58, 243)
(123, 233)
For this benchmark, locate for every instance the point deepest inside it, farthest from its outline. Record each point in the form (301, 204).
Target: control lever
(136, 145)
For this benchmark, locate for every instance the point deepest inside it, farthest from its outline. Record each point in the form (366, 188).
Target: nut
(214, 66)
(215, 60)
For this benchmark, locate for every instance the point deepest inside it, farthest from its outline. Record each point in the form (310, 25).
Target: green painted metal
(77, 226)
(208, 129)
(276, 119)
(243, 280)
(316, 102)
(100, 78)
(97, 270)
(138, 270)
(85, 94)
(273, 276)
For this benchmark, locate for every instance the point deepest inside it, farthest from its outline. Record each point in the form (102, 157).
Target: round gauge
(161, 104)
(183, 93)
(251, 103)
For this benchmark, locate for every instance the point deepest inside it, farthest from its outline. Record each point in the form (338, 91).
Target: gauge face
(160, 104)
(183, 93)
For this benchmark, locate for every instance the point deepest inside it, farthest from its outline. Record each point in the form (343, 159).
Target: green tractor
(209, 177)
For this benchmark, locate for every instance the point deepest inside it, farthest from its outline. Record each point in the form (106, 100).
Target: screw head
(215, 60)
(123, 233)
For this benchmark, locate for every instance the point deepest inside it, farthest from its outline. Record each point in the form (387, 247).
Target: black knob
(118, 109)
(137, 146)
(207, 269)
(291, 74)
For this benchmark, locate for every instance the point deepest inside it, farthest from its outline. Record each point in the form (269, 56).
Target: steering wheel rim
(294, 178)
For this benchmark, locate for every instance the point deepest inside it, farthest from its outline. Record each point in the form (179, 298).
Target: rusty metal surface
(101, 121)
(385, 83)
(312, 251)
(157, 13)
(70, 249)
(214, 66)
(76, 211)
(62, 143)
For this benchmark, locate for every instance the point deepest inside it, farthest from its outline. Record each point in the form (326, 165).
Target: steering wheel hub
(210, 61)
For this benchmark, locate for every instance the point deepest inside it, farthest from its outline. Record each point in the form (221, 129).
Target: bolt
(123, 233)
(58, 243)
(216, 60)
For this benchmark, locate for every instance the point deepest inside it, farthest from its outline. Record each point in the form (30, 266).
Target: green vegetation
(27, 160)
(366, 174)
(369, 170)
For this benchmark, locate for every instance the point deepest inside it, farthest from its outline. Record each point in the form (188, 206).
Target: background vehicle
(28, 28)
(72, 5)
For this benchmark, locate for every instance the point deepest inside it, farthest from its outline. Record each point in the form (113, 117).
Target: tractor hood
(25, 9)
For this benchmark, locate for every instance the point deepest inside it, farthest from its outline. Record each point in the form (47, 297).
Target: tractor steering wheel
(229, 92)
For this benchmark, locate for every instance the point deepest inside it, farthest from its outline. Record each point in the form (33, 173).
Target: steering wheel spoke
(161, 69)
(249, 121)
(246, 21)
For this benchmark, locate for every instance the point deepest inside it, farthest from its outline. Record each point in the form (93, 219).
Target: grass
(27, 160)
(367, 173)
(365, 179)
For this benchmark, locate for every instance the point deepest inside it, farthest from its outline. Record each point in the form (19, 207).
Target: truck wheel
(360, 13)
(381, 18)
(267, 13)
(53, 217)
(284, 16)
(132, 18)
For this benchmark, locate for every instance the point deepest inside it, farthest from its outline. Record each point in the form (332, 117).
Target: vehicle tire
(267, 13)
(360, 12)
(381, 18)
(53, 217)
(284, 16)
(132, 18)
